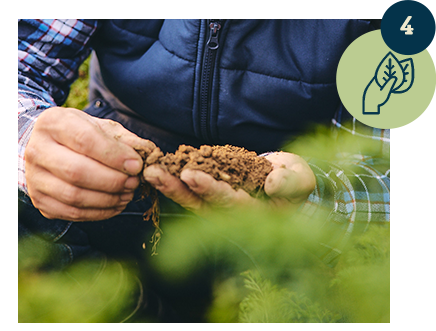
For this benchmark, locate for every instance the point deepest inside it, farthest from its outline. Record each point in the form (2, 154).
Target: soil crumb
(241, 168)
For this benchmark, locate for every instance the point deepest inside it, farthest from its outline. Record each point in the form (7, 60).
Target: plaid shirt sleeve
(353, 191)
(49, 55)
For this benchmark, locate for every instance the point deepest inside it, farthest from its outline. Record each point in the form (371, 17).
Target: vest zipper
(210, 51)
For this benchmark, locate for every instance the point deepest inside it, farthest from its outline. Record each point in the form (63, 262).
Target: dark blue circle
(422, 22)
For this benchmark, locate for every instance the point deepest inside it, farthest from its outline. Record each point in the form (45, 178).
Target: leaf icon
(408, 76)
(389, 67)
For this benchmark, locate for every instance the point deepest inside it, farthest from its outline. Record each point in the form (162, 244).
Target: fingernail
(151, 175)
(126, 197)
(191, 182)
(155, 181)
(189, 178)
(132, 166)
(131, 183)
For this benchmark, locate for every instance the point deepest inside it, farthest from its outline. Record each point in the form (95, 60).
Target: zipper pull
(212, 43)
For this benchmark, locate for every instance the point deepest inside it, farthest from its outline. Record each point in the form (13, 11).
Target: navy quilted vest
(251, 83)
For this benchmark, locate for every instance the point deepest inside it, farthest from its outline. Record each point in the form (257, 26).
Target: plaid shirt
(49, 55)
(353, 191)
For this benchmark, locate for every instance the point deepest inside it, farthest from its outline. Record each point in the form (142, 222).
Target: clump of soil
(240, 168)
(237, 166)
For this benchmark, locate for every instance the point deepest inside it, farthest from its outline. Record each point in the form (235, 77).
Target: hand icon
(374, 97)
(396, 77)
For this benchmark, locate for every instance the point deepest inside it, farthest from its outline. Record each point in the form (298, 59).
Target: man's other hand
(81, 168)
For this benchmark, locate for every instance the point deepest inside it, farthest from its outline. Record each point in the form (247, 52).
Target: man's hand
(81, 168)
(374, 97)
(289, 184)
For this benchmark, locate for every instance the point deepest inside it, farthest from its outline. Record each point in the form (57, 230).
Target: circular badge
(382, 88)
(408, 27)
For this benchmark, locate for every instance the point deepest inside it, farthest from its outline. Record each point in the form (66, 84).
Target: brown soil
(240, 168)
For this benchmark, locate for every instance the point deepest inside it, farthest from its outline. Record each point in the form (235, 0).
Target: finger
(117, 131)
(75, 196)
(284, 159)
(291, 178)
(79, 132)
(387, 89)
(217, 193)
(389, 84)
(80, 170)
(293, 185)
(281, 182)
(53, 209)
(172, 187)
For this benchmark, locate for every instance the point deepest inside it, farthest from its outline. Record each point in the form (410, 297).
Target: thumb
(386, 90)
(289, 184)
(389, 85)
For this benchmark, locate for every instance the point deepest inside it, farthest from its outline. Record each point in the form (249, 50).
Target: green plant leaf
(408, 76)
(389, 67)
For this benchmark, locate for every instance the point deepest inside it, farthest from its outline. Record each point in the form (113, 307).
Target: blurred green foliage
(268, 273)
(78, 96)
(262, 277)
(267, 303)
(93, 290)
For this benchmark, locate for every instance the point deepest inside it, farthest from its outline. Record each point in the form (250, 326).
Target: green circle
(358, 67)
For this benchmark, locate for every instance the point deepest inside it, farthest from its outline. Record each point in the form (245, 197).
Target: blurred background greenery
(265, 268)
(264, 272)
(78, 97)
(268, 273)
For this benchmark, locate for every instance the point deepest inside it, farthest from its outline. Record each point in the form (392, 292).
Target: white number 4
(405, 27)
